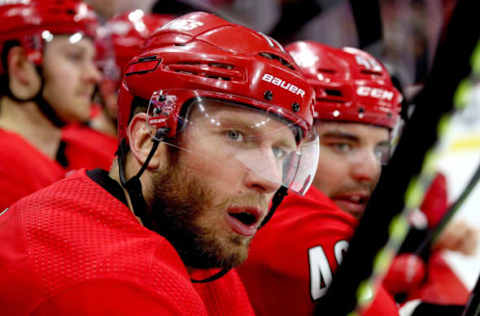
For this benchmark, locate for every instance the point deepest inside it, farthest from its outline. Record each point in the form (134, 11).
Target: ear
(24, 81)
(139, 136)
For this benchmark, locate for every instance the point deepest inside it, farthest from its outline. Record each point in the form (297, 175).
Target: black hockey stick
(409, 171)
(452, 210)
(473, 304)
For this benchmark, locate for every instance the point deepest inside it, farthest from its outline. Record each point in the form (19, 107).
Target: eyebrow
(340, 134)
(351, 137)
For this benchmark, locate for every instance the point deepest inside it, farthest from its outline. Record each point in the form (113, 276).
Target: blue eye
(279, 153)
(342, 147)
(235, 135)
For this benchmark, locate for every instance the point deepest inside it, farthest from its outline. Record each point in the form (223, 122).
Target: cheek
(65, 77)
(222, 172)
(378, 172)
(331, 172)
(111, 104)
(61, 74)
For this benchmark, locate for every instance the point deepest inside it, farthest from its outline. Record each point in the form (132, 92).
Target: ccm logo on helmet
(375, 93)
(283, 84)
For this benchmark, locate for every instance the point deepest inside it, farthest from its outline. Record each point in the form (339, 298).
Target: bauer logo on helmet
(283, 84)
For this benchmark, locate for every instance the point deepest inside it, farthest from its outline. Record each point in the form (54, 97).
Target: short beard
(179, 200)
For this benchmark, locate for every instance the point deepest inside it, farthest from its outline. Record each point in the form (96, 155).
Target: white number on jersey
(320, 271)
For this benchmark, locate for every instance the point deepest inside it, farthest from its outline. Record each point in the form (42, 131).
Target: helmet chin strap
(134, 190)
(134, 185)
(281, 193)
(45, 108)
(277, 199)
(213, 277)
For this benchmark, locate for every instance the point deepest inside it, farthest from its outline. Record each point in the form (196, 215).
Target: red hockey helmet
(200, 56)
(31, 22)
(350, 84)
(128, 31)
(202, 52)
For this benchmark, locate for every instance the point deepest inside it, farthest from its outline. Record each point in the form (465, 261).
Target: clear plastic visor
(241, 142)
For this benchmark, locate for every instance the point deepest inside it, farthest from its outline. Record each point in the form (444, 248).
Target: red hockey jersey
(224, 296)
(74, 249)
(23, 169)
(88, 148)
(293, 257)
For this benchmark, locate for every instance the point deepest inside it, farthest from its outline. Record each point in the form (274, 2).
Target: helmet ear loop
(35, 48)
(45, 107)
(6, 57)
(134, 185)
(42, 104)
(134, 189)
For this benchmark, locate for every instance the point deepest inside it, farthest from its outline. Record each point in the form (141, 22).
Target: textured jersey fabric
(225, 296)
(88, 148)
(292, 258)
(23, 169)
(74, 249)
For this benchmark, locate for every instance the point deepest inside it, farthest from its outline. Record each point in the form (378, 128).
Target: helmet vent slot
(370, 72)
(325, 70)
(278, 58)
(333, 93)
(216, 71)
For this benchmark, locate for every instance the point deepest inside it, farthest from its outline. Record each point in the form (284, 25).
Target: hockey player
(119, 40)
(292, 260)
(211, 130)
(48, 77)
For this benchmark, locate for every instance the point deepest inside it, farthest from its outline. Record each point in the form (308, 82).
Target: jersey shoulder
(74, 232)
(88, 148)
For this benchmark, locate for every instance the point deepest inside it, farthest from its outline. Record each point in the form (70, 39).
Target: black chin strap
(281, 193)
(134, 190)
(214, 277)
(48, 110)
(277, 199)
(133, 185)
(42, 104)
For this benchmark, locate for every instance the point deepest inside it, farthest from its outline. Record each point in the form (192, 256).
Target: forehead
(64, 41)
(362, 132)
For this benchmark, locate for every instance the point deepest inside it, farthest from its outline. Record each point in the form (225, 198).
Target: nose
(263, 173)
(366, 167)
(260, 184)
(92, 73)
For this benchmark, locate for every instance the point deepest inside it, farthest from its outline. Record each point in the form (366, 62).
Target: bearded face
(189, 214)
(212, 192)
